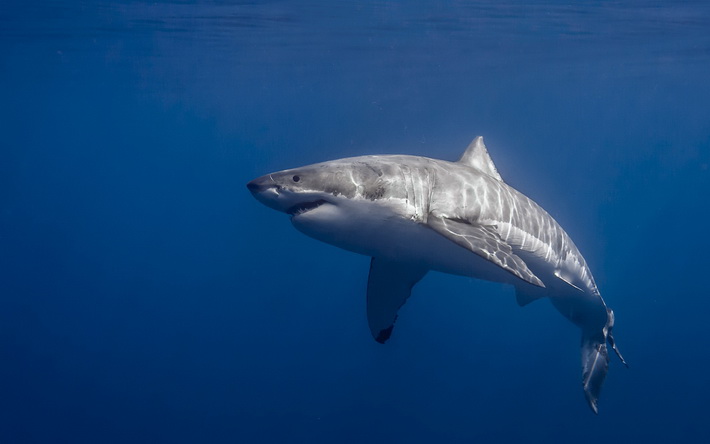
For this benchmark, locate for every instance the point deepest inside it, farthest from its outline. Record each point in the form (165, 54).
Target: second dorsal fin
(476, 156)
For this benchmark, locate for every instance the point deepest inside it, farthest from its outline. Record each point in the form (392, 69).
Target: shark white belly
(414, 214)
(376, 231)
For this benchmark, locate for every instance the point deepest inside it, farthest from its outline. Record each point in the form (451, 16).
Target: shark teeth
(303, 207)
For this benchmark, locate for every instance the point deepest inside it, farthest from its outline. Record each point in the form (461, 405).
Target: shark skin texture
(413, 214)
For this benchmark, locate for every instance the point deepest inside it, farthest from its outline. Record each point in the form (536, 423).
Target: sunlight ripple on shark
(415, 214)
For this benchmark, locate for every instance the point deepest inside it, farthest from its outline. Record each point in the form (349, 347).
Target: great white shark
(413, 214)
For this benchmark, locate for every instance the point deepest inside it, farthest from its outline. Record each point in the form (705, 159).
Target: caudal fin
(595, 360)
(595, 365)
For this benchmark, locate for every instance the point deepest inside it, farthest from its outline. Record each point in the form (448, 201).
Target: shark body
(414, 214)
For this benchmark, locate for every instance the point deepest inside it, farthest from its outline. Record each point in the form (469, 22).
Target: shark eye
(296, 178)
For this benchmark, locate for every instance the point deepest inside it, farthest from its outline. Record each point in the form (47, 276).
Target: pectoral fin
(388, 287)
(485, 242)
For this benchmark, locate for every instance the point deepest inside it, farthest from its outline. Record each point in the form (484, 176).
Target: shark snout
(261, 184)
(267, 191)
(254, 186)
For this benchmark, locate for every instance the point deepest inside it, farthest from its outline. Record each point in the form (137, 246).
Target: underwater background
(146, 296)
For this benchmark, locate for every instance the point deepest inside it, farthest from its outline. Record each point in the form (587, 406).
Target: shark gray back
(414, 214)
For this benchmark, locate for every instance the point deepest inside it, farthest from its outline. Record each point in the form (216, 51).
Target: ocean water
(145, 296)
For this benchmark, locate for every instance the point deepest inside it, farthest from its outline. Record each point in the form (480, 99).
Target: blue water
(145, 296)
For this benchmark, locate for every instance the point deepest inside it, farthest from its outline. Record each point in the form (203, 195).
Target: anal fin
(525, 294)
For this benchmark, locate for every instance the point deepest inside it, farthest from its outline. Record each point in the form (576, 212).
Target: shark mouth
(304, 207)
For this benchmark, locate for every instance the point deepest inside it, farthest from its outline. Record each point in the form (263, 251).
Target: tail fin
(595, 365)
(595, 360)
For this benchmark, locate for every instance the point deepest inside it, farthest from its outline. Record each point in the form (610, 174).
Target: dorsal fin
(476, 156)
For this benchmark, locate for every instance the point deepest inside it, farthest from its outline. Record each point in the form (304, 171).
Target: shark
(414, 214)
